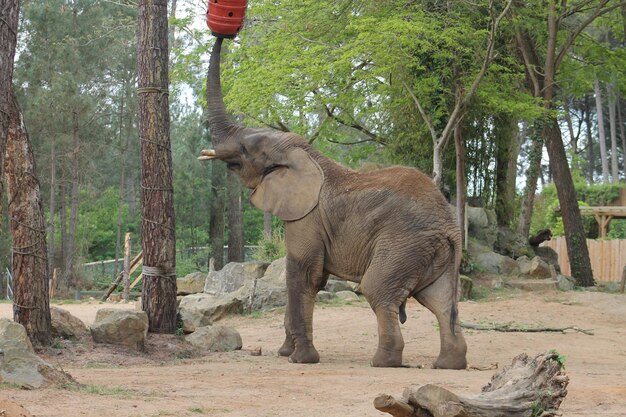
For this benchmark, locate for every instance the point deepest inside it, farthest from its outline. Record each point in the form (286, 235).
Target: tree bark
(613, 132)
(620, 122)
(532, 175)
(216, 221)
(74, 200)
(601, 134)
(28, 231)
(158, 298)
(590, 156)
(9, 11)
(235, 219)
(53, 204)
(506, 133)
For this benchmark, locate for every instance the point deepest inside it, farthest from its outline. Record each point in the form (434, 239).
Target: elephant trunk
(220, 123)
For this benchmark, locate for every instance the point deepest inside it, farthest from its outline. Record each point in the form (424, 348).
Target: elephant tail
(455, 243)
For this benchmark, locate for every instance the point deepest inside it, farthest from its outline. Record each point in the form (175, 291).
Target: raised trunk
(235, 219)
(158, 297)
(220, 123)
(28, 231)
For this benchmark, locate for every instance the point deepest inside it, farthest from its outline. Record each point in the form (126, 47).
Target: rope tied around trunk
(158, 271)
(145, 90)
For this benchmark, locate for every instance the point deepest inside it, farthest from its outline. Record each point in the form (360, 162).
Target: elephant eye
(234, 166)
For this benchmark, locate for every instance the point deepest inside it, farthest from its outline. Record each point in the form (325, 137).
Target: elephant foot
(452, 357)
(287, 348)
(387, 359)
(305, 355)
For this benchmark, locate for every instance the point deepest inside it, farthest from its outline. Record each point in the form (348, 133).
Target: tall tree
(29, 261)
(158, 227)
(216, 221)
(235, 218)
(564, 22)
(604, 157)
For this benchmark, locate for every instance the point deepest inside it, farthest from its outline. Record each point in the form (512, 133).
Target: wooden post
(623, 280)
(52, 288)
(126, 271)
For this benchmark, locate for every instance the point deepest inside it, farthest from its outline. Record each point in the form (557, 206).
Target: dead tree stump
(529, 387)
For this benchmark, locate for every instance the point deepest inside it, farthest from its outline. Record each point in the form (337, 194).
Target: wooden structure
(134, 264)
(604, 215)
(528, 387)
(608, 257)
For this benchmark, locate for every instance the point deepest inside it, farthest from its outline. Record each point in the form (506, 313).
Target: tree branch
(509, 327)
(425, 117)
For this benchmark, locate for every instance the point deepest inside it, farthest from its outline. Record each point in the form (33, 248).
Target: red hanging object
(225, 17)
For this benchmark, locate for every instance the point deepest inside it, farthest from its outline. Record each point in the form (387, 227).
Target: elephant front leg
(288, 345)
(300, 324)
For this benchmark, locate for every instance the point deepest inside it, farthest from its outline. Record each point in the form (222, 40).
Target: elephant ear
(292, 190)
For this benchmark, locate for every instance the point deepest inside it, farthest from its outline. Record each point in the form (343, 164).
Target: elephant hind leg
(439, 297)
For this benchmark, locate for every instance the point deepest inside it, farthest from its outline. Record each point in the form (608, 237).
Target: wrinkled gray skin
(389, 230)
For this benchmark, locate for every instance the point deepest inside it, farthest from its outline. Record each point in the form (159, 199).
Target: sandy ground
(126, 384)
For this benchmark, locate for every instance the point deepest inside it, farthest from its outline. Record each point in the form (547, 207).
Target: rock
(466, 287)
(120, 327)
(200, 310)
(233, 276)
(565, 283)
(65, 325)
(323, 296)
(549, 256)
(511, 244)
(482, 225)
(347, 296)
(191, 284)
(539, 268)
(268, 291)
(336, 285)
(18, 363)
(216, 338)
(523, 263)
(490, 261)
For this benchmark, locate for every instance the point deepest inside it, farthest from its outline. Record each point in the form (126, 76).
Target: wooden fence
(608, 257)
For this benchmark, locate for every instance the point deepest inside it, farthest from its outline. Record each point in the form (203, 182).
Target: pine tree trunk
(506, 132)
(158, 297)
(620, 121)
(28, 231)
(459, 146)
(74, 199)
(53, 205)
(590, 160)
(532, 175)
(216, 221)
(63, 224)
(613, 133)
(10, 12)
(235, 219)
(601, 135)
(574, 232)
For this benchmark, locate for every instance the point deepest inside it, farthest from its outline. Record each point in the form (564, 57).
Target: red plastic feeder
(225, 17)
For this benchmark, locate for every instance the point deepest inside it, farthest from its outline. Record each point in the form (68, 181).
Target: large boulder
(233, 276)
(336, 285)
(490, 261)
(216, 338)
(512, 244)
(18, 363)
(65, 325)
(539, 268)
(482, 225)
(200, 310)
(191, 284)
(120, 327)
(549, 255)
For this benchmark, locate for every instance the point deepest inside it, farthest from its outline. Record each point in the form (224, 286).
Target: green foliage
(269, 250)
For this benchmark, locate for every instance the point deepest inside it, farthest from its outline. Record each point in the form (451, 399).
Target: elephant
(389, 230)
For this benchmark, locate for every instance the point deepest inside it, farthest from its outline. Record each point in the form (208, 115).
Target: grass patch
(9, 385)
(99, 390)
(198, 410)
(101, 365)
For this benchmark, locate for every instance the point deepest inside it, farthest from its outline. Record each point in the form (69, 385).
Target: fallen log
(509, 327)
(529, 387)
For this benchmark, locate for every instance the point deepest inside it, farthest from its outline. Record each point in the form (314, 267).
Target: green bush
(269, 250)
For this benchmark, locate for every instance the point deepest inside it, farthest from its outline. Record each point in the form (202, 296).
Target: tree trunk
(528, 387)
(120, 200)
(532, 175)
(574, 232)
(216, 222)
(235, 219)
(267, 225)
(622, 134)
(63, 224)
(601, 135)
(10, 12)
(506, 133)
(74, 199)
(28, 230)
(53, 205)
(590, 156)
(459, 146)
(613, 133)
(158, 297)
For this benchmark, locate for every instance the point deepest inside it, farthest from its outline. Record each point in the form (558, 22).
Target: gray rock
(216, 338)
(512, 244)
(336, 285)
(549, 256)
(191, 284)
(65, 325)
(523, 263)
(18, 362)
(482, 225)
(200, 310)
(347, 295)
(323, 296)
(233, 276)
(565, 283)
(491, 261)
(539, 268)
(120, 327)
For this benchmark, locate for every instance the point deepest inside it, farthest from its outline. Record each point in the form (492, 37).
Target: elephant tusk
(207, 154)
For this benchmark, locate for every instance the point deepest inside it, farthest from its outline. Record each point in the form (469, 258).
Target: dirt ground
(173, 380)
